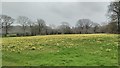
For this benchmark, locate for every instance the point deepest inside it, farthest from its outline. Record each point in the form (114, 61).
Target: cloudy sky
(57, 12)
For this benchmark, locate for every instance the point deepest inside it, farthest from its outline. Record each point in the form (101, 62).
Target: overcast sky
(57, 12)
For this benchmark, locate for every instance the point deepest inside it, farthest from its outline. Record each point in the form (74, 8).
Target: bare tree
(88, 25)
(83, 25)
(5, 23)
(1, 22)
(53, 29)
(111, 27)
(31, 24)
(95, 27)
(23, 21)
(41, 25)
(65, 28)
(114, 13)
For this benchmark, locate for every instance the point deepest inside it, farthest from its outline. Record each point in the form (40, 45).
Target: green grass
(61, 50)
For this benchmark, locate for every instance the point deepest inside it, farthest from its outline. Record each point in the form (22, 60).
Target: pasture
(61, 50)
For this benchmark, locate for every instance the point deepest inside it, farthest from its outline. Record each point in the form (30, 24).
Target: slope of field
(61, 50)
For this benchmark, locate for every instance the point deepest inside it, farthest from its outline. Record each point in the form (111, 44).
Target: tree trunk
(31, 30)
(118, 25)
(24, 30)
(6, 30)
(119, 20)
(39, 30)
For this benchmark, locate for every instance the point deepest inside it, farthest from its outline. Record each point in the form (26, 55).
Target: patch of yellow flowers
(22, 43)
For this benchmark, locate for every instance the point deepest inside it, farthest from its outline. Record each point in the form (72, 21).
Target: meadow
(61, 50)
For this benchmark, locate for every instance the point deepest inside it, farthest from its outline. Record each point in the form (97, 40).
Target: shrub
(11, 35)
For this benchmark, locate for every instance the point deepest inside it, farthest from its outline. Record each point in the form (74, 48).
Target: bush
(11, 35)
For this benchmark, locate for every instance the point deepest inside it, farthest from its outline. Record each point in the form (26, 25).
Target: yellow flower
(108, 50)
(33, 48)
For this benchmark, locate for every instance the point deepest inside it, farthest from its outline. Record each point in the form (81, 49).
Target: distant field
(61, 50)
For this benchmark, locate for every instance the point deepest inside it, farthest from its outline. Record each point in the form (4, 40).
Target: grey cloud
(57, 12)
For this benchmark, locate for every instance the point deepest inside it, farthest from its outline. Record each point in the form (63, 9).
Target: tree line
(39, 27)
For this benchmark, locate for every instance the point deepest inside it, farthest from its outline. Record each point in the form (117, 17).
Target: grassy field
(61, 50)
